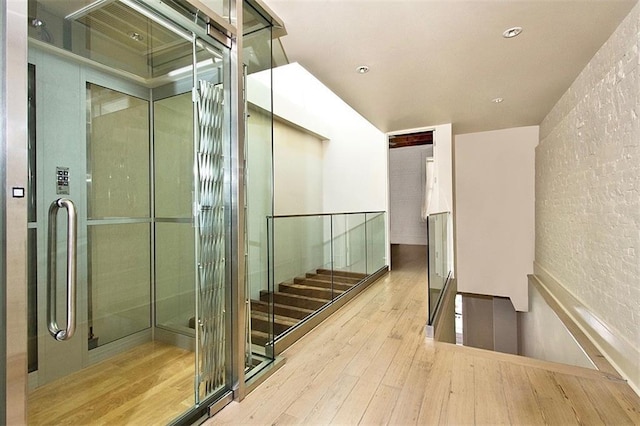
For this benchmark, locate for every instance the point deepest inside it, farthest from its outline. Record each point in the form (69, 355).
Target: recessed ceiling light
(497, 100)
(512, 32)
(362, 69)
(135, 36)
(37, 23)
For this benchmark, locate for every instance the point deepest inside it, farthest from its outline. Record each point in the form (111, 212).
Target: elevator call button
(62, 180)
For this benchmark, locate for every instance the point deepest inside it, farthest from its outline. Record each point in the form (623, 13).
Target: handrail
(320, 214)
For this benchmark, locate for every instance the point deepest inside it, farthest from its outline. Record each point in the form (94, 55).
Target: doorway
(128, 229)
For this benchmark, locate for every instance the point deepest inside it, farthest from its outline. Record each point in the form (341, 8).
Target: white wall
(298, 171)
(542, 335)
(406, 194)
(494, 175)
(327, 159)
(588, 193)
(354, 156)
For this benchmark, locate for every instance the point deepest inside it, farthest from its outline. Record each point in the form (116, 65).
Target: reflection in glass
(173, 151)
(259, 193)
(32, 300)
(120, 265)
(376, 248)
(175, 275)
(31, 189)
(315, 260)
(349, 243)
(438, 266)
(117, 154)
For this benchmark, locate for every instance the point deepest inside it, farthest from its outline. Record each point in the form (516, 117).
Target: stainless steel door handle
(72, 220)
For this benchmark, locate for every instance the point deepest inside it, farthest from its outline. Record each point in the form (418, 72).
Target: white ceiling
(443, 61)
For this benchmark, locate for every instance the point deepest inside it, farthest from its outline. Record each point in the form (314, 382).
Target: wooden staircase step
(296, 300)
(336, 278)
(311, 282)
(260, 338)
(280, 309)
(341, 273)
(304, 290)
(260, 321)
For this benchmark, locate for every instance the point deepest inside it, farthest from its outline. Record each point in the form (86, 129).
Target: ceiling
(444, 61)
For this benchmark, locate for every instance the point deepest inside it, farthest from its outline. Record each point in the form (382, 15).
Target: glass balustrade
(314, 260)
(439, 262)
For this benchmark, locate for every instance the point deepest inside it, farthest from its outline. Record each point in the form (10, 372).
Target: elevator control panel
(62, 180)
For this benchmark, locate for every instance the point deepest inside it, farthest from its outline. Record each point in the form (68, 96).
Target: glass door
(128, 297)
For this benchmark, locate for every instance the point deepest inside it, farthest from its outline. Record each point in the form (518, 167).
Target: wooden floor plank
(626, 398)
(147, 384)
(327, 406)
(461, 409)
(407, 409)
(521, 405)
(381, 406)
(489, 393)
(434, 406)
(552, 402)
(371, 363)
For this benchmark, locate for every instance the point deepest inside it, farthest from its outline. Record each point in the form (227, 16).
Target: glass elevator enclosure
(129, 195)
(126, 206)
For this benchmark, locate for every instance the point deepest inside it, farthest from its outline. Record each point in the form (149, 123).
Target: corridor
(370, 363)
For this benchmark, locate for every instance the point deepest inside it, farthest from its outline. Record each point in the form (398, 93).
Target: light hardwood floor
(370, 363)
(148, 385)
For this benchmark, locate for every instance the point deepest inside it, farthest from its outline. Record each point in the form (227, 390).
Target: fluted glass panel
(210, 239)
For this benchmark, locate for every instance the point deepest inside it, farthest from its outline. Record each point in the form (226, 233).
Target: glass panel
(173, 149)
(118, 154)
(301, 266)
(32, 300)
(175, 275)
(253, 22)
(438, 259)
(349, 244)
(259, 192)
(316, 259)
(220, 7)
(31, 190)
(121, 34)
(300, 246)
(120, 265)
(376, 242)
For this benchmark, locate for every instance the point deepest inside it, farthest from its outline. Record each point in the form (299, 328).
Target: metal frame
(3, 248)
(235, 374)
(14, 111)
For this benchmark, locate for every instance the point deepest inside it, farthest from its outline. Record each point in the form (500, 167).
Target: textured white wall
(588, 185)
(494, 175)
(406, 193)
